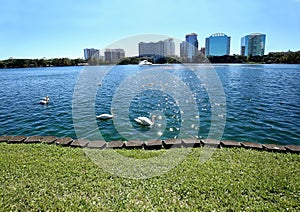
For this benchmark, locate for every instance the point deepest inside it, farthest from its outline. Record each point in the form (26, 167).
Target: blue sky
(63, 28)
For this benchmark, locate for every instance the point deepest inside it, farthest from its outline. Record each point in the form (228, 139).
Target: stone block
(33, 139)
(79, 143)
(4, 138)
(252, 145)
(172, 143)
(208, 142)
(16, 139)
(98, 144)
(48, 139)
(292, 148)
(274, 148)
(115, 144)
(230, 144)
(134, 144)
(153, 144)
(66, 141)
(190, 142)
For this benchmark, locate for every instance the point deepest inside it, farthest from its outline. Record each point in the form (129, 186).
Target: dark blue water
(262, 102)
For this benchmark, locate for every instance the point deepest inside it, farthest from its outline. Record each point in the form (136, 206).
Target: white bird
(145, 121)
(45, 100)
(106, 116)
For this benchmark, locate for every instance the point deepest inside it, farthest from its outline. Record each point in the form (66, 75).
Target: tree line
(27, 63)
(273, 57)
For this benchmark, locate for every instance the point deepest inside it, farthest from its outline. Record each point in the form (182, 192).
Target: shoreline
(155, 64)
(288, 57)
(148, 145)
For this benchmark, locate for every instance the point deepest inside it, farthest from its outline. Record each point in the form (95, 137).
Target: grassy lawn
(47, 177)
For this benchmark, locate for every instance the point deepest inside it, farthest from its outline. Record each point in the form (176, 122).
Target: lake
(258, 103)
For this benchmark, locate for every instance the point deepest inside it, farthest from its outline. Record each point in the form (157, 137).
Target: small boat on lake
(145, 62)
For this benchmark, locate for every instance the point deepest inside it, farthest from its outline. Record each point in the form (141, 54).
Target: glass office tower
(191, 46)
(217, 44)
(253, 44)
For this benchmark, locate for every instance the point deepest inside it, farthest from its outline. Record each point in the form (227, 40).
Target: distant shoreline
(271, 58)
(6, 68)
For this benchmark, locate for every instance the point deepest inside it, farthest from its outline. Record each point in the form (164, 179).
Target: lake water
(259, 103)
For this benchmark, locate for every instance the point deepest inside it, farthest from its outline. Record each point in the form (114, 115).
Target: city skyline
(37, 29)
(217, 44)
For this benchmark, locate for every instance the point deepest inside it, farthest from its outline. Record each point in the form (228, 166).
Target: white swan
(106, 116)
(145, 121)
(45, 100)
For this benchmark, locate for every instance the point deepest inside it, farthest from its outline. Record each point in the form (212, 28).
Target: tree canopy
(26, 63)
(273, 57)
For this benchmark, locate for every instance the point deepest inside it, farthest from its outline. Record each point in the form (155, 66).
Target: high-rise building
(151, 49)
(244, 45)
(253, 44)
(217, 44)
(91, 54)
(157, 49)
(202, 50)
(169, 47)
(191, 46)
(113, 55)
(183, 53)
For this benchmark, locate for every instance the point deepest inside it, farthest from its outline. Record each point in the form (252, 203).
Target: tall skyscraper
(183, 53)
(217, 44)
(253, 44)
(91, 53)
(244, 45)
(157, 49)
(113, 55)
(191, 46)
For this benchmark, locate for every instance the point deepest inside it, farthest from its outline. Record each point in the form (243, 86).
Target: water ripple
(262, 102)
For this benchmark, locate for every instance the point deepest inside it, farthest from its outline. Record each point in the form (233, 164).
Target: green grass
(47, 177)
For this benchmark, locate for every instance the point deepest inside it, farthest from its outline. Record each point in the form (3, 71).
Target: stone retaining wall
(149, 145)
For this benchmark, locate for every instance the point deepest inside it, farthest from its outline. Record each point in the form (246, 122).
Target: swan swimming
(145, 121)
(106, 116)
(45, 100)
